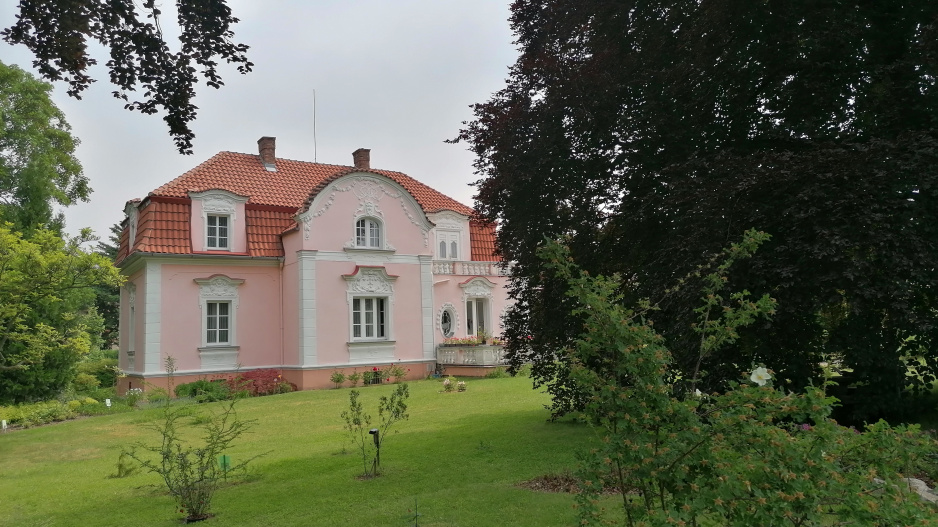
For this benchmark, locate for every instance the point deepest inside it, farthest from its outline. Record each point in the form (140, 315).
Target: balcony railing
(457, 267)
(470, 355)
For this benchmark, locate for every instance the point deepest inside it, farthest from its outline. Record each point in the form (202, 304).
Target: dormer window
(217, 232)
(218, 221)
(449, 245)
(368, 233)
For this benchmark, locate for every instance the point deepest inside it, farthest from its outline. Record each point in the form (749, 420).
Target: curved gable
(374, 192)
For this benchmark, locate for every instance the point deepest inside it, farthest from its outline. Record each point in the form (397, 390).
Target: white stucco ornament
(373, 280)
(479, 287)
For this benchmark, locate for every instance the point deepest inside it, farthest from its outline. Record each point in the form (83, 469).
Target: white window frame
(376, 319)
(370, 282)
(450, 311)
(219, 288)
(447, 245)
(369, 233)
(213, 323)
(478, 310)
(217, 237)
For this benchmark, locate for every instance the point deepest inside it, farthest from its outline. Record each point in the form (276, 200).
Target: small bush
(397, 372)
(102, 368)
(337, 378)
(84, 383)
(35, 414)
(204, 390)
(497, 373)
(192, 473)
(353, 378)
(260, 382)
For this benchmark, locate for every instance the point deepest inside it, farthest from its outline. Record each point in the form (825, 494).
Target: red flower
(388, 379)
(374, 369)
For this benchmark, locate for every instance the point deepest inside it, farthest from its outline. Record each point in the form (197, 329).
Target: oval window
(446, 323)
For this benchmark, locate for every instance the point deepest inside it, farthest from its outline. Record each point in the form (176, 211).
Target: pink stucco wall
(258, 313)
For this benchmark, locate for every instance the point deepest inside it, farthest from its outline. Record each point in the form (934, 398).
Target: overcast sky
(393, 76)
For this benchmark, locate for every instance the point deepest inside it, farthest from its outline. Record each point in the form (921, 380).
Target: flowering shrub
(398, 372)
(465, 341)
(461, 386)
(739, 458)
(447, 384)
(260, 382)
(133, 396)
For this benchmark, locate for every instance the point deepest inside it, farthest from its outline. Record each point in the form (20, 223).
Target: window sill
(371, 351)
(218, 347)
(372, 250)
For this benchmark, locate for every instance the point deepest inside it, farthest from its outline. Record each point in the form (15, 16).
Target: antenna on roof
(314, 126)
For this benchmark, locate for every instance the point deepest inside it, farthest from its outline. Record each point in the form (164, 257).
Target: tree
(107, 296)
(47, 318)
(38, 167)
(58, 33)
(652, 133)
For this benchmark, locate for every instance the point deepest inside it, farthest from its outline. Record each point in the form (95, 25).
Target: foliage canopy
(47, 318)
(58, 33)
(38, 167)
(651, 133)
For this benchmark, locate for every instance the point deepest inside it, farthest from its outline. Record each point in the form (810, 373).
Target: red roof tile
(482, 241)
(264, 227)
(290, 185)
(163, 227)
(274, 198)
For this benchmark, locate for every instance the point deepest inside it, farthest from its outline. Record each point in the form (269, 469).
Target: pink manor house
(249, 261)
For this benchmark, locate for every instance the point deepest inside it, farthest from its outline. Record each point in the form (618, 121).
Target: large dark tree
(57, 32)
(654, 133)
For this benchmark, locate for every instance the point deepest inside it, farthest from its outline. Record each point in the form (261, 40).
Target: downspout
(281, 314)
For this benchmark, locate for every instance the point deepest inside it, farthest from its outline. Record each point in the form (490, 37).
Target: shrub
(35, 414)
(353, 378)
(101, 367)
(260, 382)
(398, 372)
(192, 474)
(754, 455)
(204, 390)
(84, 383)
(337, 378)
(498, 373)
(391, 410)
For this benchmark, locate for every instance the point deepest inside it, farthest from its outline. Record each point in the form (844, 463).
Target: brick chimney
(362, 158)
(266, 147)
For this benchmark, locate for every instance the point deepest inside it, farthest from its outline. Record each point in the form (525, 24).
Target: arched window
(368, 233)
(442, 250)
(452, 250)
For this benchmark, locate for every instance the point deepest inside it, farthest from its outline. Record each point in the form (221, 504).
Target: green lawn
(461, 456)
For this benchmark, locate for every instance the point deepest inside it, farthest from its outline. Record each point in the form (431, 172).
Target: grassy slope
(460, 456)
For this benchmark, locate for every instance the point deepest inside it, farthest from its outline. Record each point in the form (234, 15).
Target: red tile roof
(482, 241)
(291, 184)
(274, 198)
(163, 227)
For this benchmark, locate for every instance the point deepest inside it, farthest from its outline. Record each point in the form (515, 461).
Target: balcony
(456, 267)
(481, 355)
